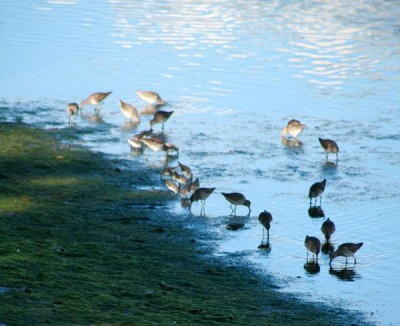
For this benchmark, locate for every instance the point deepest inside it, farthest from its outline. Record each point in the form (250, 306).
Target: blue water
(234, 73)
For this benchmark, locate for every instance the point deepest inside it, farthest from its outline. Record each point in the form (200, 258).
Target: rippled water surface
(234, 73)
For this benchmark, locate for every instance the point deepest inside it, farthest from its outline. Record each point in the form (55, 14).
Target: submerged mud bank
(81, 244)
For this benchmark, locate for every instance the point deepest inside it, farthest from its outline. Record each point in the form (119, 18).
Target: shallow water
(234, 73)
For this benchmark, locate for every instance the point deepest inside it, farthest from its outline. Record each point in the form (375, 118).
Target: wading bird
(200, 194)
(293, 128)
(316, 190)
(236, 199)
(313, 245)
(129, 111)
(329, 146)
(347, 249)
(328, 228)
(94, 99)
(265, 218)
(72, 110)
(151, 97)
(160, 117)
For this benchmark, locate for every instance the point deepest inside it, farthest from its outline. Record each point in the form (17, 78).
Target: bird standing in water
(129, 111)
(328, 228)
(329, 146)
(316, 190)
(347, 249)
(94, 99)
(72, 110)
(265, 218)
(236, 198)
(293, 128)
(160, 117)
(200, 194)
(151, 97)
(313, 245)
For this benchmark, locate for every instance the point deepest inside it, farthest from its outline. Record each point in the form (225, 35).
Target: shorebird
(265, 219)
(328, 228)
(201, 194)
(135, 142)
(166, 172)
(195, 185)
(171, 185)
(329, 146)
(347, 249)
(236, 198)
(151, 97)
(313, 245)
(129, 111)
(293, 128)
(154, 144)
(186, 189)
(179, 177)
(94, 99)
(187, 172)
(72, 110)
(316, 190)
(160, 117)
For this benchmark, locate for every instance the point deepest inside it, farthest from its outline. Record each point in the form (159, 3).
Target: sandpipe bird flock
(182, 183)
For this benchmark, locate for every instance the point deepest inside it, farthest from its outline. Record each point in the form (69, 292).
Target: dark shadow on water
(327, 248)
(316, 211)
(312, 267)
(347, 274)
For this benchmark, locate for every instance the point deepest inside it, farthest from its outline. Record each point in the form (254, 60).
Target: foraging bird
(135, 142)
(313, 245)
(171, 185)
(328, 228)
(72, 110)
(293, 128)
(154, 144)
(129, 111)
(329, 146)
(195, 185)
(347, 249)
(160, 117)
(187, 172)
(151, 97)
(180, 178)
(236, 198)
(316, 190)
(94, 99)
(201, 194)
(265, 219)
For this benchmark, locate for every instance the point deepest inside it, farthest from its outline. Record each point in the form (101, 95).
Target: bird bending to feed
(329, 146)
(72, 110)
(293, 128)
(265, 218)
(129, 111)
(187, 172)
(236, 198)
(151, 97)
(316, 190)
(201, 194)
(160, 117)
(171, 185)
(347, 249)
(328, 228)
(313, 245)
(95, 99)
(156, 145)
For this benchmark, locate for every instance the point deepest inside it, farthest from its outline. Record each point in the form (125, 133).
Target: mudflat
(83, 243)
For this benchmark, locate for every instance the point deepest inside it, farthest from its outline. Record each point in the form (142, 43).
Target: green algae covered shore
(82, 243)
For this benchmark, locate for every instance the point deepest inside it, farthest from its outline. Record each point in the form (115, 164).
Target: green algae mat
(81, 244)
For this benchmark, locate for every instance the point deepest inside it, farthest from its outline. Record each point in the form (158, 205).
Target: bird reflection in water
(344, 274)
(327, 247)
(312, 267)
(292, 142)
(94, 118)
(316, 211)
